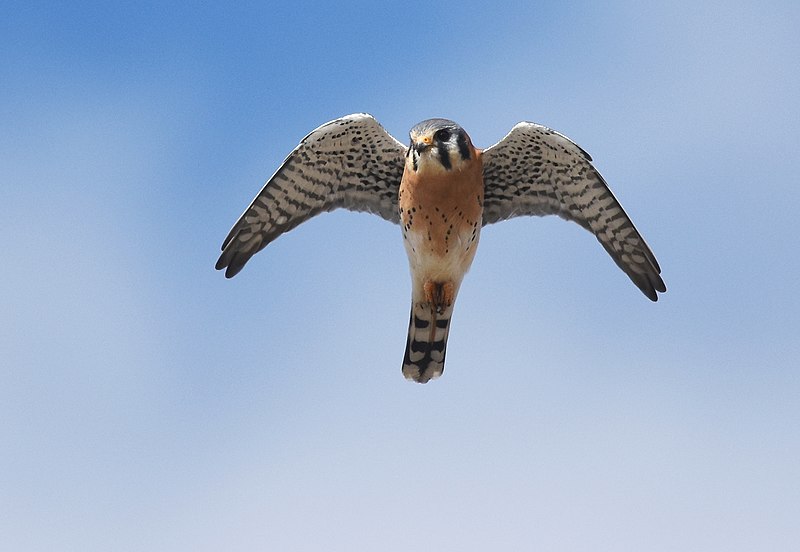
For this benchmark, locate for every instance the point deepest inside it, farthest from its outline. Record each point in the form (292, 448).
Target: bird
(442, 191)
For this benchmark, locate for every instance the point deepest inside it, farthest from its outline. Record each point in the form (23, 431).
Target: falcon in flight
(441, 190)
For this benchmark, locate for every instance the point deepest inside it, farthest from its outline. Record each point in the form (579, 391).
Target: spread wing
(537, 171)
(351, 162)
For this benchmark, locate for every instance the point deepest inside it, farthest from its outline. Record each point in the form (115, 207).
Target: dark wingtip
(235, 264)
(231, 271)
(656, 286)
(232, 262)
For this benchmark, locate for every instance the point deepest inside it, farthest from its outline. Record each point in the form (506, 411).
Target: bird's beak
(422, 144)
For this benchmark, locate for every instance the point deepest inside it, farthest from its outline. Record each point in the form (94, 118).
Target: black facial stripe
(415, 161)
(463, 147)
(444, 156)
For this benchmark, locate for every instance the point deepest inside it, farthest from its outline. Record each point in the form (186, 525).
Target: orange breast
(441, 211)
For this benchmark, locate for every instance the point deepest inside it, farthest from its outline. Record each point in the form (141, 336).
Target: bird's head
(438, 145)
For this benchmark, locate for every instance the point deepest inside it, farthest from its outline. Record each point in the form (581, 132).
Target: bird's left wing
(350, 162)
(537, 171)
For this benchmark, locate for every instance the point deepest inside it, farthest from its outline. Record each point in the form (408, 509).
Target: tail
(427, 342)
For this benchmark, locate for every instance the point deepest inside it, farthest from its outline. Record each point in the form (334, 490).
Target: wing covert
(351, 162)
(537, 171)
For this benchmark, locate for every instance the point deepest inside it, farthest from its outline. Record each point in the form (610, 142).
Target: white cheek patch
(430, 162)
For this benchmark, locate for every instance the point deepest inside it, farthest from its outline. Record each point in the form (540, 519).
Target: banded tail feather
(428, 329)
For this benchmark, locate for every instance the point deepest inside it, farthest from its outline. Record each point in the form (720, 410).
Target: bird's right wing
(537, 171)
(350, 162)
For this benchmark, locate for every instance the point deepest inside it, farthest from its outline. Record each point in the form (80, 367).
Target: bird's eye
(443, 135)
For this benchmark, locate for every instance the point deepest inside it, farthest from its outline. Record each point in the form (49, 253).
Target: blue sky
(149, 404)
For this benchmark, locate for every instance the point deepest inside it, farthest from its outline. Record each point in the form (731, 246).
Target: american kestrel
(442, 191)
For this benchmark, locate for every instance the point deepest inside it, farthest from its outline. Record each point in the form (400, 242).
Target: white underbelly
(429, 261)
